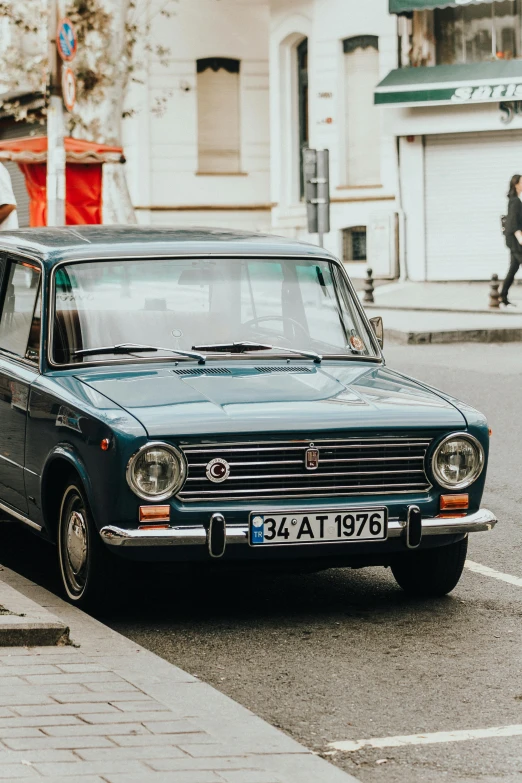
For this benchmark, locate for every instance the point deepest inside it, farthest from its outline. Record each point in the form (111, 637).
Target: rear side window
(20, 317)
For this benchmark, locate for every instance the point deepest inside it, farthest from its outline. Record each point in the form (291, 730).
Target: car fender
(65, 451)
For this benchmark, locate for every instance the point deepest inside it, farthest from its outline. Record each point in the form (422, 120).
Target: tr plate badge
(312, 458)
(217, 470)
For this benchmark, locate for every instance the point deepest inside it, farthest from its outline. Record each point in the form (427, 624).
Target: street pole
(323, 194)
(55, 126)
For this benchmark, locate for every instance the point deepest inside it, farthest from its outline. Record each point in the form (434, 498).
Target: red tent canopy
(83, 176)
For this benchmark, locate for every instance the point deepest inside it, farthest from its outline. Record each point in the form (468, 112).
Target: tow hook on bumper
(413, 527)
(216, 535)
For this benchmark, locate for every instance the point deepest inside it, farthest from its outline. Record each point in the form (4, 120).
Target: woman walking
(513, 234)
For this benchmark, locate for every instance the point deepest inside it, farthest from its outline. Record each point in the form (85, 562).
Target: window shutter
(218, 121)
(361, 75)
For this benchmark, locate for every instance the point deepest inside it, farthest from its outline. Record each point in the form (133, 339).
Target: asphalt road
(346, 655)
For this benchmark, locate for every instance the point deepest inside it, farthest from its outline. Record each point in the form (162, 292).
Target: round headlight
(458, 461)
(156, 471)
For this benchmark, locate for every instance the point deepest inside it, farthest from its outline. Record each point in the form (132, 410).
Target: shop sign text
(486, 92)
(508, 111)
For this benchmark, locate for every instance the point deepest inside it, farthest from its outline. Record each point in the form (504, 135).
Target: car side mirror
(378, 328)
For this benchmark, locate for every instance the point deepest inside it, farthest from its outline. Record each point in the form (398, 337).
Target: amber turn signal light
(453, 502)
(152, 514)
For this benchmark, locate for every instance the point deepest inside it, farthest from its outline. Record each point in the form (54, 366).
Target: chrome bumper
(238, 534)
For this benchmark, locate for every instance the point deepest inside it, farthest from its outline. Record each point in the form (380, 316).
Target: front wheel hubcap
(75, 545)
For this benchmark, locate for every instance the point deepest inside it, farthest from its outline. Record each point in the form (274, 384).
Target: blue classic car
(194, 395)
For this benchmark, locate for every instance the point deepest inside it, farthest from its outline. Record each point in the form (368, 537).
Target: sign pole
(323, 194)
(55, 128)
(316, 174)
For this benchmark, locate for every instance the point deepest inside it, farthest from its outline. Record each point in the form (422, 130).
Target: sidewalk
(109, 711)
(444, 312)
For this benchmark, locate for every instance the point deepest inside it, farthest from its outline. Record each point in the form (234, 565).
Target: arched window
(361, 117)
(219, 142)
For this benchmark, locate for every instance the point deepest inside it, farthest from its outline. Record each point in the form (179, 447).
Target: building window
(302, 94)
(218, 116)
(354, 244)
(466, 34)
(361, 117)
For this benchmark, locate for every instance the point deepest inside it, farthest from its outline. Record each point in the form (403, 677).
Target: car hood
(237, 398)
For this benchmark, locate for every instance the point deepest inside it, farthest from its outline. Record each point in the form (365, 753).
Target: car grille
(351, 466)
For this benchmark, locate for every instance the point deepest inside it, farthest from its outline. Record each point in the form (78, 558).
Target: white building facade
(245, 85)
(454, 106)
(418, 102)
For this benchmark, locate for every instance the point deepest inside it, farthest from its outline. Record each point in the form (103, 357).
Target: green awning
(401, 6)
(452, 85)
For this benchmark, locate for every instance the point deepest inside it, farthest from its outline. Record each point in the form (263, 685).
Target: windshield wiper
(246, 345)
(137, 348)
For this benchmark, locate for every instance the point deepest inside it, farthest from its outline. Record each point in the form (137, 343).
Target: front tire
(431, 573)
(86, 567)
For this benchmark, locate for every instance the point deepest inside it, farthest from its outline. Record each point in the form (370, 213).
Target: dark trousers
(516, 260)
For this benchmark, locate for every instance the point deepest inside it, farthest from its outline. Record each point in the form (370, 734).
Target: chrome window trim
(478, 472)
(165, 495)
(378, 358)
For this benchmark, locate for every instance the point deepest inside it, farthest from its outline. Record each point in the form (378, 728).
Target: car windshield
(302, 305)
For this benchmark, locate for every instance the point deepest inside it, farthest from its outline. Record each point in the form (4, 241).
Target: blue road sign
(66, 40)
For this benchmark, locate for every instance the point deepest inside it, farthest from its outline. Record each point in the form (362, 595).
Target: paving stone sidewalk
(109, 710)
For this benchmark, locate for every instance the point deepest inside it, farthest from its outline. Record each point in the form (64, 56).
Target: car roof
(52, 245)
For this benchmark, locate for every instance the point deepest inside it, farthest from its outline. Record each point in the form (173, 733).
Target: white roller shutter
(466, 179)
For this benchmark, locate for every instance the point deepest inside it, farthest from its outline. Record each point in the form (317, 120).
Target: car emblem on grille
(312, 458)
(217, 470)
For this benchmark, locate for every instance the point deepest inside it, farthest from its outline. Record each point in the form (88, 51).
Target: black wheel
(87, 568)
(431, 572)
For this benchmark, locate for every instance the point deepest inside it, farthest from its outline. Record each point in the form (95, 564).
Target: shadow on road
(212, 593)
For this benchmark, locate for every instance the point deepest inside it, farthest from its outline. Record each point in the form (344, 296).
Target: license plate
(360, 524)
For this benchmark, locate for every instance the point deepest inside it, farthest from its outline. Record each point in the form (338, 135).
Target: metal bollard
(494, 296)
(368, 288)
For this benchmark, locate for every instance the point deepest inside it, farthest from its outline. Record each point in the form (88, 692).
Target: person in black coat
(513, 234)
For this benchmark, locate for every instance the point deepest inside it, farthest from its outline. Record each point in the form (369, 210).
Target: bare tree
(108, 33)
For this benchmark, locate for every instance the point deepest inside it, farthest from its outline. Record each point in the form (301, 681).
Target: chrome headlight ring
(176, 483)
(478, 468)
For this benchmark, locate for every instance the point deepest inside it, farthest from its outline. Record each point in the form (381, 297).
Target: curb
(456, 336)
(485, 311)
(24, 623)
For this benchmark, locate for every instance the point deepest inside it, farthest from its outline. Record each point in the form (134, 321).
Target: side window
(21, 309)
